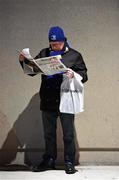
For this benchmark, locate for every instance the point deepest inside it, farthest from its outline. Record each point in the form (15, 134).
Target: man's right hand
(21, 58)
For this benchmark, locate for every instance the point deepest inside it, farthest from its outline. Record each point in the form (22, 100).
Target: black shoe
(44, 165)
(34, 168)
(69, 168)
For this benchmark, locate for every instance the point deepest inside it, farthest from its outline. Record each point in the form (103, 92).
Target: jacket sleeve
(26, 62)
(80, 68)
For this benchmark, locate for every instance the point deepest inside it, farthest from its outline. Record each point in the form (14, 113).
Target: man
(50, 100)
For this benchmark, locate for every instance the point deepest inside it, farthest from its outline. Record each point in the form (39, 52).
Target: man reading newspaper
(50, 100)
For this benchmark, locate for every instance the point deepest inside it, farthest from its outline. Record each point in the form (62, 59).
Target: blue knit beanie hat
(56, 34)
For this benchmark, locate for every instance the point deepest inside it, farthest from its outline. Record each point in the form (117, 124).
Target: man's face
(57, 46)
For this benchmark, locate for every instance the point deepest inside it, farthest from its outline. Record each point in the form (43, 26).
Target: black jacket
(50, 87)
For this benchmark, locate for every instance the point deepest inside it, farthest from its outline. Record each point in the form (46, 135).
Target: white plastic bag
(72, 95)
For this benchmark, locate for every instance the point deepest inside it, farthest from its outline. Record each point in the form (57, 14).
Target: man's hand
(70, 73)
(21, 58)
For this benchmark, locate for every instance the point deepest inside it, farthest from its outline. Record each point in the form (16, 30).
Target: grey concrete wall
(92, 27)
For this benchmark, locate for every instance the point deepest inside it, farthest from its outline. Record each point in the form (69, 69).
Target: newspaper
(48, 65)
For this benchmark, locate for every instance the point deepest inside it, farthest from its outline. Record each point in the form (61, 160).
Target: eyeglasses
(57, 43)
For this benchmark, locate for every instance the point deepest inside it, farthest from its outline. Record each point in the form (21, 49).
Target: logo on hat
(53, 37)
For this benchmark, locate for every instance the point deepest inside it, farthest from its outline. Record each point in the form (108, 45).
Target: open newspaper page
(48, 65)
(51, 65)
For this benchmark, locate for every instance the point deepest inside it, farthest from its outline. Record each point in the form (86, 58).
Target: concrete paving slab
(84, 173)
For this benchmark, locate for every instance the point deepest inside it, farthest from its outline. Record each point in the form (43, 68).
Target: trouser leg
(50, 125)
(67, 122)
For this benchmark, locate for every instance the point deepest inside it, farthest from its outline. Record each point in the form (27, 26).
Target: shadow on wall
(27, 135)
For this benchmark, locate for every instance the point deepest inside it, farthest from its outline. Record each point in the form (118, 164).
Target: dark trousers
(50, 126)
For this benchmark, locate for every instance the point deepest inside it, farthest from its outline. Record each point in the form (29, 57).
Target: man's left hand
(70, 73)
